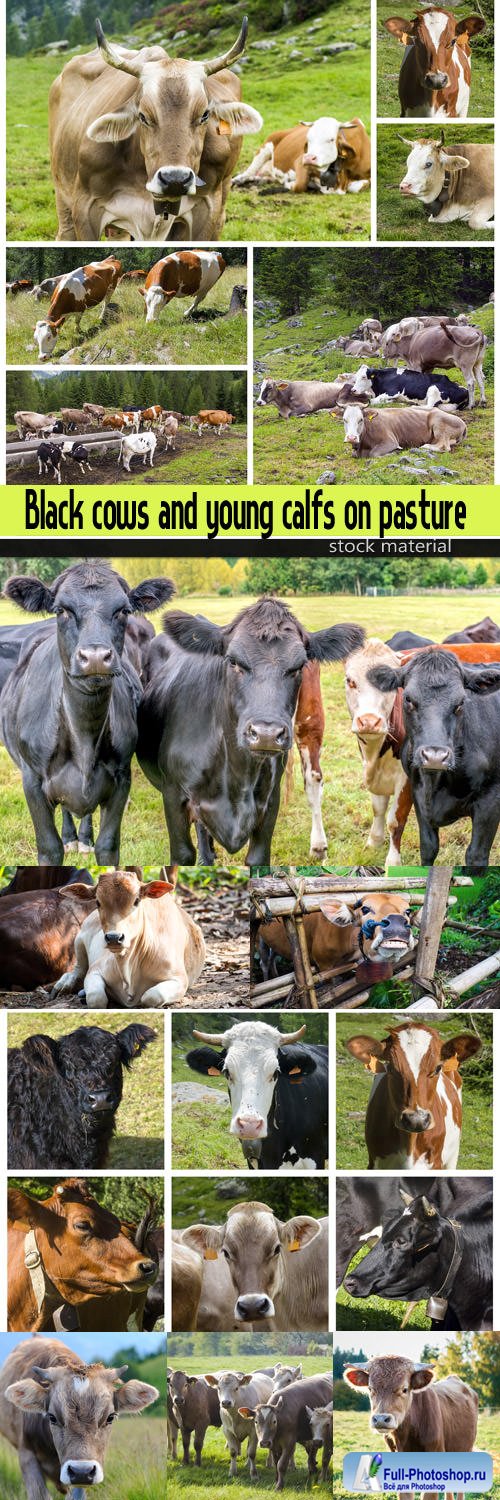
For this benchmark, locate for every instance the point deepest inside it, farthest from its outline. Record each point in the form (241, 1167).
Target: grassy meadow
(297, 451)
(346, 806)
(134, 1467)
(390, 53)
(353, 1086)
(138, 1139)
(126, 339)
(285, 89)
(400, 218)
(352, 1434)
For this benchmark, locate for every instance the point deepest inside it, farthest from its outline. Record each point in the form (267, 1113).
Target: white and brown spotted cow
(414, 1112)
(185, 273)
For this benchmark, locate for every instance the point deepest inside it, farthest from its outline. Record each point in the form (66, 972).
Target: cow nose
(255, 1305)
(351, 1285)
(415, 1119)
(249, 1126)
(369, 724)
(94, 661)
(226, 1405)
(435, 757)
(175, 179)
(79, 1472)
(382, 1419)
(148, 1267)
(267, 736)
(436, 80)
(114, 938)
(99, 1099)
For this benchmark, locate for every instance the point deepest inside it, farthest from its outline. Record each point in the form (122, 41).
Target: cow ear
(295, 1061)
(461, 1047)
(43, 1051)
(455, 163)
(235, 119)
(367, 1050)
(386, 678)
(133, 1040)
(420, 1377)
(156, 888)
(113, 128)
(151, 594)
(205, 1238)
(469, 27)
(334, 643)
(298, 1232)
(247, 1411)
(27, 1394)
(134, 1396)
(402, 30)
(194, 633)
(29, 1213)
(211, 1380)
(481, 679)
(84, 892)
(29, 593)
(356, 1375)
(205, 1060)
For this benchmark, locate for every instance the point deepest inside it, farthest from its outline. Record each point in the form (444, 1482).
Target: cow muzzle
(369, 724)
(406, 189)
(415, 1120)
(114, 940)
(100, 1101)
(436, 80)
(267, 738)
(383, 1421)
(249, 1127)
(434, 758)
(173, 183)
(94, 661)
(81, 1471)
(254, 1306)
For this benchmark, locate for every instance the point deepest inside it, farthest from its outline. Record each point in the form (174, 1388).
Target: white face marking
(353, 424)
(414, 1043)
(154, 299)
(462, 105)
(321, 144)
(361, 384)
(80, 1383)
(435, 24)
(44, 337)
(425, 172)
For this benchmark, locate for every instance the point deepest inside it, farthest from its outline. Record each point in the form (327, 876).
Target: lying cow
(74, 294)
(434, 81)
(56, 1441)
(315, 157)
(351, 172)
(298, 398)
(286, 1418)
(413, 1414)
(455, 182)
(185, 273)
(409, 385)
(282, 1291)
(414, 1112)
(138, 948)
(372, 434)
(139, 445)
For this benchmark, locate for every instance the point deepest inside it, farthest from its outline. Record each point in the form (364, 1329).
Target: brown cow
(371, 931)
(413, 1415)
(57, 1412)
(372, 433)
(121, 421)
(185, 273)
(217, 419)
(139, 275)
(80, 1257)
(187, 1279)
(79, 290)
(309, 728)
(434, 81)
(37, 935)
(23, 284)
(195, 1406)
(414, 1113)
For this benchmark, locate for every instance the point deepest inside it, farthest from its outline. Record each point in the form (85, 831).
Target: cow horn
(442, 138)
(406, 1197)
(131, 65)
(214, 64)
(404, 139)
(291, 1036)
(205, 1036)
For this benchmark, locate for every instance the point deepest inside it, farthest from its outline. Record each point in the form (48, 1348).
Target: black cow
(214, 734)
(365, 1204)
(406, 640)
(69, 708)
(79, 454)
(484, 630)
(414, 386)
(49, 457)
(424, 1253)
(278, 1092)
(63, 1095)
(451, 716)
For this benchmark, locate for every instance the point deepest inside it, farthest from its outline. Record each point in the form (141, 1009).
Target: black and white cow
(278, 1092)
(372, 382)
(49, 457)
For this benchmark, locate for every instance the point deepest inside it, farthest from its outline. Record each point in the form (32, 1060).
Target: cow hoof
(71, 848)
(83, 848)
(319, 853)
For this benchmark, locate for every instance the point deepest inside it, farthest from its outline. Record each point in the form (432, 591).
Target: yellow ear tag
(294, 1245)
(374, 1065)
(213, 1072)
(406, 39)
(209, 1254)
(371, 415)
(223, 127)
(451, 1065)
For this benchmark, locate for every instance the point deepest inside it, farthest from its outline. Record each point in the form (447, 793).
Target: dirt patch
(104, 463)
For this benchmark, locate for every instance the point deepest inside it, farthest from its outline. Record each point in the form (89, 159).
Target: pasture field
(353, 1089)
(213, 1476)
(400, 218)
(138, 1139)
(352, 1434)
(214, 460)
(283, 87)
(134, 1466)
(124, 338)
(346, 806)
(390, 54)
(298, 450)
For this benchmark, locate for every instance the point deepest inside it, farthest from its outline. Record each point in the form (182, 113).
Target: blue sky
(92, 1346)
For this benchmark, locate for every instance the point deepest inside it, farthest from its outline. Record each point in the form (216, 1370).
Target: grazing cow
(94, 410)
(121, 421)
(451, 714)
(414, 1112)
(409, 384)
(421, 1253)
(67, 1250)
(150, 153)
(187, 1282)
(22, 284)
(278, 1091)
(456, 182)
(63, 1095)
(270, 1285)
(185, 273)
(373, 433)
(37, 933)
(434, 81)
(138, 948)
(376, 721)
(78, 454)
(366, 1204)
(370, 932)
(74, 294)
(60, 1439)
(298, 398)
(34, 424)
(195, 1406)
(445, 344)
(233, 1390)
(285, 1418)
(413, 1415)
(483, 630)
(225, 771)
(45, 288)
(217, 419)
(49, 457)
(68, 709)
(141, 445)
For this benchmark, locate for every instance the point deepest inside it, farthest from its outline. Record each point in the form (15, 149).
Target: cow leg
(69, 834)
(50, 848)
(186, 1439)
(484, 826)
(36, 1488)
(65, 226)
(86, 835)
(251, 1451)
(376, 836)
(107, 846)
(96, 997)
(313, 786)
(168, 992)
(182, 850)
(234, 1450)
(206, 851)
(199, 1438)
(429, 840)
(283, 1463)
(477, 374)
(399, 813)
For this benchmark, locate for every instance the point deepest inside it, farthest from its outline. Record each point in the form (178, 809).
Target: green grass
(297, 450)
(284, 91)
(134, 1467)
(390, 54)
(126, 338)
(352, 1434)
(213, 1476)
(138, 1140)
(353, 1086)
(346, 806)
(400, 218)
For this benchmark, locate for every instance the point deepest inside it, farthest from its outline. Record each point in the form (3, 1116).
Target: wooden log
(311, 986)
(470, 977)
(360, 996)
(431, 926)
(298, 963)
(282, 906)
(331, 885)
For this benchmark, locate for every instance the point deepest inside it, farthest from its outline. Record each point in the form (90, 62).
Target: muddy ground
(213, 452)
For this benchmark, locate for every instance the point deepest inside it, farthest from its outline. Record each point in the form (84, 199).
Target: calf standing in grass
(414, 1413)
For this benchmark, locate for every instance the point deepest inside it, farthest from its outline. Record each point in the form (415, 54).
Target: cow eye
(225, 1253)
(277, 1249)
(52, 1419)
(238, 666)
(82, 1224)
(137, 900)
(204, 117)
(410, 704)
(143, 119)
(293, 671)
(111, 1418)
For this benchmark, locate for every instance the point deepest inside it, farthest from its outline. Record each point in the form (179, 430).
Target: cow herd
(139, 430)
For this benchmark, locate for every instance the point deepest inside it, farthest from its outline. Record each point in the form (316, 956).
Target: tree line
(127, 1197)
(374, 281)
(474, 1357)
(38, 261)
(185, 391)
(33, 24)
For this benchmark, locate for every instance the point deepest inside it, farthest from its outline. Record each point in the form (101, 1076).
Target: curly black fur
(63, 1095)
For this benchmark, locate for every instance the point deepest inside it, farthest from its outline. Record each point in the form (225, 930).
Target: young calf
(413, 1412)
(140, 445)
(414, 1113)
